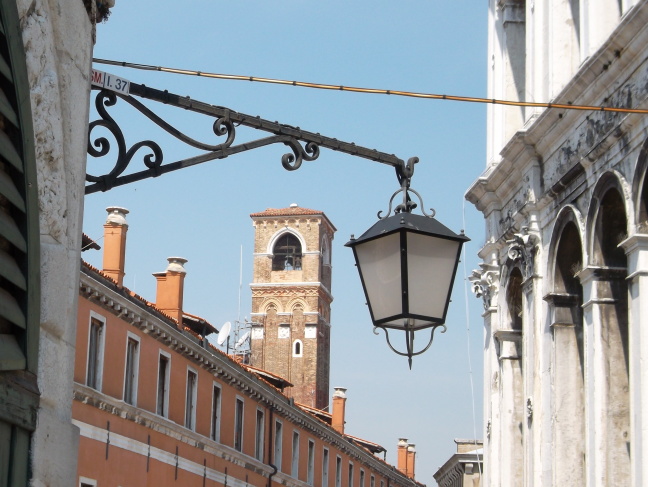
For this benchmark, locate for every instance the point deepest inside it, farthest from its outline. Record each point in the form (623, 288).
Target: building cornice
(277, 221)
(566, 138)
(258, 288)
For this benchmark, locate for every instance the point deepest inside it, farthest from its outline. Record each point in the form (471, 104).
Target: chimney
(402, 456)
(339, 404)
(170, 288)
(114, 256)
(411, 460)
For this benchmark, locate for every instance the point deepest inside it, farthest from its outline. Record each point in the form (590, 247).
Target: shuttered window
(19, 257)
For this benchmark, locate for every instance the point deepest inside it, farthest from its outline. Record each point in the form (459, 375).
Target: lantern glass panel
(431, 264)
(379, 261)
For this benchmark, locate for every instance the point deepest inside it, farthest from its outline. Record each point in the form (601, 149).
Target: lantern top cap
(407, 222)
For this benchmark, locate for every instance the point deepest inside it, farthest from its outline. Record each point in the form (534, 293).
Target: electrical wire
(375, 91)
(470, 369)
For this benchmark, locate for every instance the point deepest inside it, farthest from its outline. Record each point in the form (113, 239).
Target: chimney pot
(114, 256)
(402, 456)
(339, 406)
(176, 264)
(411, 460)
(170, 288)
(340, 392)
(117, 215)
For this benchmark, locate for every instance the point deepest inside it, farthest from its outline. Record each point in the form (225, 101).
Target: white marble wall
(542, 167)
(58, 40)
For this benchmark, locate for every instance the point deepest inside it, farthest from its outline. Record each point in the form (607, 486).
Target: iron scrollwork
(100, 147)
(292, 162)
(304, 146)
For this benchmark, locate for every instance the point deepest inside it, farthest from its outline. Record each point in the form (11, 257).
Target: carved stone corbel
(523, 249)
(485, 283)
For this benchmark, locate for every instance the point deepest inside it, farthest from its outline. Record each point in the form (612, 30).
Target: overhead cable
(376, 91)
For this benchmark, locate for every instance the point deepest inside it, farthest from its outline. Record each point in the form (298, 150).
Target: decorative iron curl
(100, 147)
(222, 126)
(411, 204)
(292, 162)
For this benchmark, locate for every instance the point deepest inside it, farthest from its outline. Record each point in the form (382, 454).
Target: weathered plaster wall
(587, 168)
(58, 39)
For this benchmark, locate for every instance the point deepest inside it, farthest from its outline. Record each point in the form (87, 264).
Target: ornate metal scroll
(304, 146)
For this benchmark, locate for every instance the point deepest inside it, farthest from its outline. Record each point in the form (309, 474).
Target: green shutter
(19, 257)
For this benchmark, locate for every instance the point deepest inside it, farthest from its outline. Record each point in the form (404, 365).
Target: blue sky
(202, 213)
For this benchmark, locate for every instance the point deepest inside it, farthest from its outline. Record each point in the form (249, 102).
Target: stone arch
(640, 190)
(296, 303)
(272, 304)
(273, 240)
(567, 216)
(565, 300)
(608, 221)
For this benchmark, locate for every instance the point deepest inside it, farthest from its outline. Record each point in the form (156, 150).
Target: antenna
(238, 316)
(242, 340)
(224, 332)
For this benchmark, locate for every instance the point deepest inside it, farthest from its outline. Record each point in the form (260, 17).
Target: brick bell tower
(291, 300)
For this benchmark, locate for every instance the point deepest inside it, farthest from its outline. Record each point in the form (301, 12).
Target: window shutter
(19, 249)
(19, 257)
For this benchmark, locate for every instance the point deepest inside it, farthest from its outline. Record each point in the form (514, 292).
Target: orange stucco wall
(115, 437)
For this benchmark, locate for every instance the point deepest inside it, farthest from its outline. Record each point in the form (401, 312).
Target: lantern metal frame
(402, 222)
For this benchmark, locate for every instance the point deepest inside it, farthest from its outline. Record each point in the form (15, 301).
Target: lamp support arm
(303, 144)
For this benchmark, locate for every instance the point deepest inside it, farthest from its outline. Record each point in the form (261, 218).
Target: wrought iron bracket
(304, 146)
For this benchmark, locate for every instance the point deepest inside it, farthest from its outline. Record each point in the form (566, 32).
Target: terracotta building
(157, 405)
(291, 299)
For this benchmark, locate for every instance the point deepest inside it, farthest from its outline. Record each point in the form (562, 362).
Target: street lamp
(407, 262)
(407, 265)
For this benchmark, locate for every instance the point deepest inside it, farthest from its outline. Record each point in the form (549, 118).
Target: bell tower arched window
(287, 253)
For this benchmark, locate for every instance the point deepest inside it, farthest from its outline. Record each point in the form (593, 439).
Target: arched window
(325, 252)
(609, 230)
(287, 253)
(568, 359)
(298, 348)
(514, 299)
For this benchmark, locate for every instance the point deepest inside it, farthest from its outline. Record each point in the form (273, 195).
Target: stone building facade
(565, 262)
(291, 299)
(464, 468)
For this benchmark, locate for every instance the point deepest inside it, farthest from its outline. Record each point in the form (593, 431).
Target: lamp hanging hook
(404, 173)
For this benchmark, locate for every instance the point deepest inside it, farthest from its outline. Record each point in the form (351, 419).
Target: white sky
(202, 213)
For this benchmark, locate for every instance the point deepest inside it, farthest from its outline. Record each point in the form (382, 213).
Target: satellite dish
(241, 340)
(224, 333)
